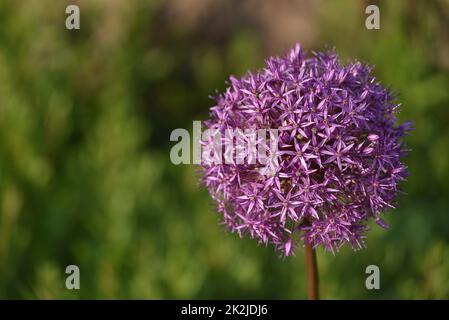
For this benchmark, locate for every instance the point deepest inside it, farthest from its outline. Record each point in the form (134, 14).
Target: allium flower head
(339, 152)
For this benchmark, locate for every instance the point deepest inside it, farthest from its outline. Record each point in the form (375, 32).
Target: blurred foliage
(85, 176)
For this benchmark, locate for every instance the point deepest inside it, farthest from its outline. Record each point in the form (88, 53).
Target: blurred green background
(85, 119)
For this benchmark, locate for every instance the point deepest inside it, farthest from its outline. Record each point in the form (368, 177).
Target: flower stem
(312, 272)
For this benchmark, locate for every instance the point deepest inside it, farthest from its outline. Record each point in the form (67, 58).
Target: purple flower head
(339, 152)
